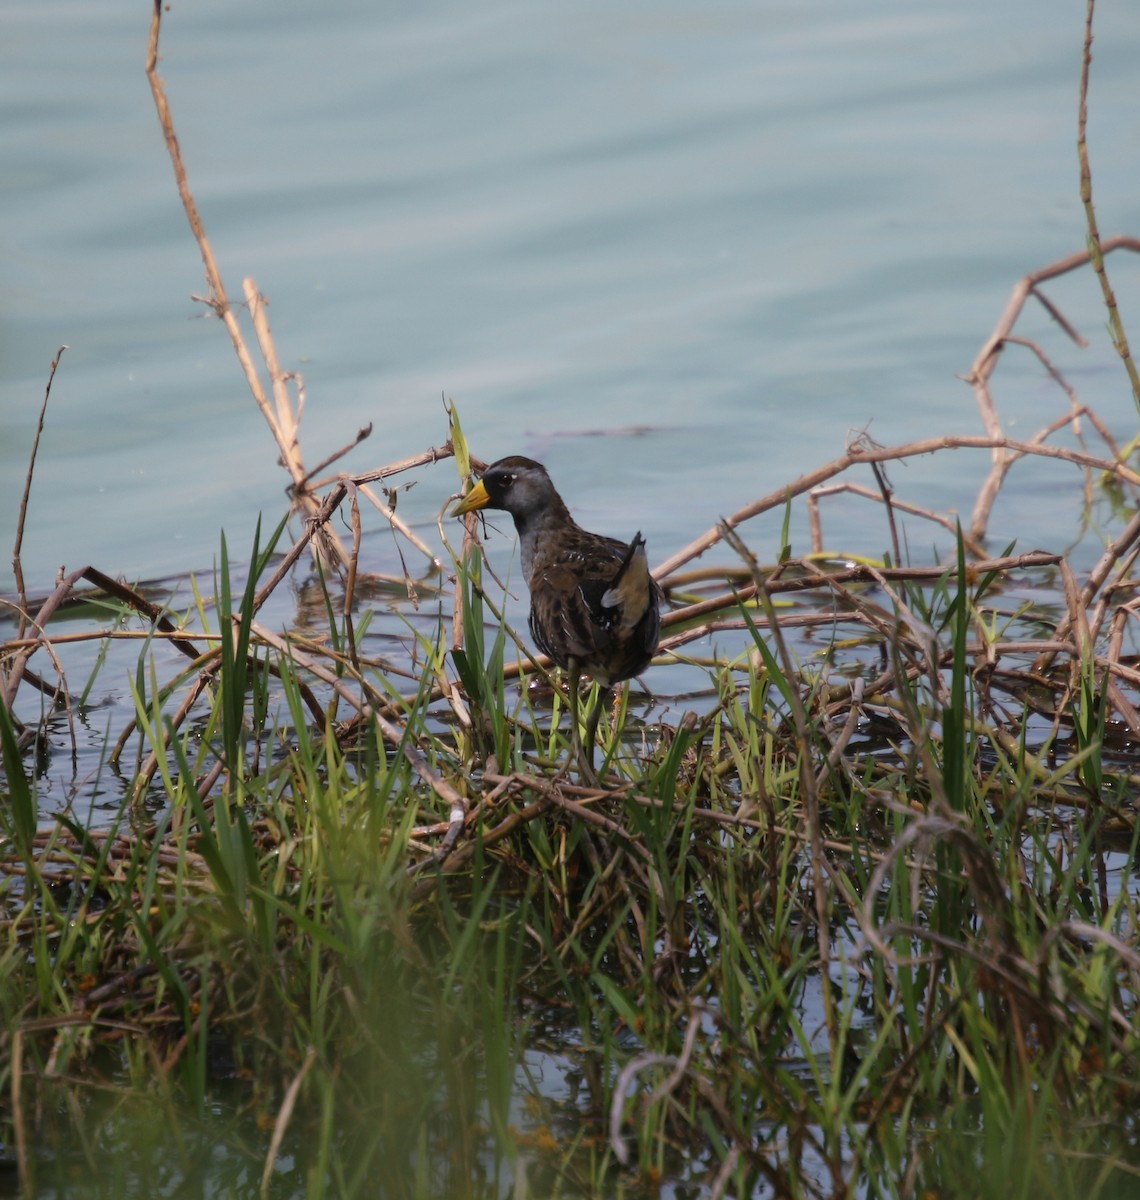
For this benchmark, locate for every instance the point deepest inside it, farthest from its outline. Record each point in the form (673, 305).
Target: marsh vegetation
(853, 910)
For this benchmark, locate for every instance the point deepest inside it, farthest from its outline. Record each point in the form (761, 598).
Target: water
(724, 233)
(725, 236)
(743, 229)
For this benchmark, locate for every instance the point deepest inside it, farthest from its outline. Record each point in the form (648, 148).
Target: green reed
(577, 1000)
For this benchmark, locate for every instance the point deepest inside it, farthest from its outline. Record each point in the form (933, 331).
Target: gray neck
(535, 528)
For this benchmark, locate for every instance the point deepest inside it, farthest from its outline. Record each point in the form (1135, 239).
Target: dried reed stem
(879, 454)
(986, 363)
(283, 421)
(1096, 250)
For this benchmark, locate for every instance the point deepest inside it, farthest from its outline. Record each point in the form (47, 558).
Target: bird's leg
(582, 751)
(592, 734)
(573, 675)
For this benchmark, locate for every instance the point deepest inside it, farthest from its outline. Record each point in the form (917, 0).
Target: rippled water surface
(726, 236)
(727, 233)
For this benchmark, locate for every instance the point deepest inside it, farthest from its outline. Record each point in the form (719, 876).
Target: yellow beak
(475, 499)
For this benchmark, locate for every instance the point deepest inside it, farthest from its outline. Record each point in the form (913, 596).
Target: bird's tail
(630, 592)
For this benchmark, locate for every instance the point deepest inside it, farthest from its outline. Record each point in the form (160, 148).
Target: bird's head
(516, 485)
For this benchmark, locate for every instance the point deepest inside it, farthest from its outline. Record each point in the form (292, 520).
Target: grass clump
(854, 916)
(841, 928)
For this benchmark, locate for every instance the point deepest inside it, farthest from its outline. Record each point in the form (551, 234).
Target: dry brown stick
(61, 695)
(283, 1118)
(1030, 646)
(857, 489)
(153, 612)
(1116, 325)
(1116, 551)
(713, 573)
(1078, 409)
(350, 579)
(1077, 618)
(14, 668)
(1058, 423)
(397, 522)
(432, 454)
(488, 837)
(312, 525)
(24, 1162)
(365, 431)
(670, 645)
(150, 765)
(34, 681)
(1097, 576)
(17, 565)
(1116, 634)
(886, 492)
(1114, 667)
(56, 693)
(718, 603)
(1102, 429)
(98, 635)
(393, 733)
(207, 781)
(282, 424)
(868, 573)
(217, 299)
(283, 421)
(332, 501)
(987, 359)
(882, 454)
(1095, 619)
(286, 418)
(451, 832)
(815, 523)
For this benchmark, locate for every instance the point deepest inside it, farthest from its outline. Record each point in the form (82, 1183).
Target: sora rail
(594, 607)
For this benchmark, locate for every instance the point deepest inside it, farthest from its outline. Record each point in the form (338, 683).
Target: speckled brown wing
(593, 601)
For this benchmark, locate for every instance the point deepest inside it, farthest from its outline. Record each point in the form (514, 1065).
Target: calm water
(726, 235)
(743, 229)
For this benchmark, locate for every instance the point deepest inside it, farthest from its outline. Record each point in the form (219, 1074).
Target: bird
(594, 607)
